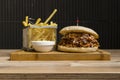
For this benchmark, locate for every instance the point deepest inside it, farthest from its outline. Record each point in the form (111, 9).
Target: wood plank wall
(100, 15)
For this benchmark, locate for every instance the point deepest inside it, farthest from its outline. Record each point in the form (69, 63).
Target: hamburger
(78, 39)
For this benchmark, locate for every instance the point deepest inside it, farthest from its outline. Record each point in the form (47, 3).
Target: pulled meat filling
(79, 40)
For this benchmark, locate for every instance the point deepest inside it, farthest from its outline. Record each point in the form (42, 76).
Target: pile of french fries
(41, 33)
(39, 21)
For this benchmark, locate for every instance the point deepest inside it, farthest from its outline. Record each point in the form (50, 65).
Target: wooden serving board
(56, 56)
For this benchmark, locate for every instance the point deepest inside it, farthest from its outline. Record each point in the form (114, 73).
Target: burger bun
(76, 49)
(78, 29)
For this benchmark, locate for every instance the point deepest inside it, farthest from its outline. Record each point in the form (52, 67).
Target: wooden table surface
(70, 68)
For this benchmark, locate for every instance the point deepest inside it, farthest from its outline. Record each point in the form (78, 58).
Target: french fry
(38, 20)
(51, 22)
(41, 24)
(45, 24)
(29, 24)
(26, 20)
(47, 20)
(24, 23)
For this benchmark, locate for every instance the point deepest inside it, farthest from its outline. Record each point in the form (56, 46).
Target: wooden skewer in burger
(78, 39)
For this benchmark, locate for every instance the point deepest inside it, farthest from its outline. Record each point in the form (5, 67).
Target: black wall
(100, 15)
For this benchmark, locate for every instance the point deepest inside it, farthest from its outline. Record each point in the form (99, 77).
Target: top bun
(82, 29)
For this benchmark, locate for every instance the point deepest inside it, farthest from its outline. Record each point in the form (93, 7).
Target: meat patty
(79, 40)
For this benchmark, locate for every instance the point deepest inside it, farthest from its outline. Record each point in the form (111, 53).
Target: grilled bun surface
(81, 29)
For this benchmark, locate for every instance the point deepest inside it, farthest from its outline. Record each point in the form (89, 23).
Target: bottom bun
(69, 49)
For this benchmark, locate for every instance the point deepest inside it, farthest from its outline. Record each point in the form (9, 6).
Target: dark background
(101, 15)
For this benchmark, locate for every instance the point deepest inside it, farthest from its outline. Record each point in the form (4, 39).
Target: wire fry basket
(35, 33)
